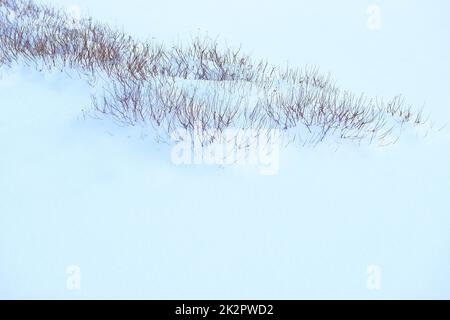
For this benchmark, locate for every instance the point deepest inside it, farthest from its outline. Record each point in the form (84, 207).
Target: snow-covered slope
(109, 200)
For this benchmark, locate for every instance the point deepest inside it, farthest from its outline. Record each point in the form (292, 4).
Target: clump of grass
(198, 85)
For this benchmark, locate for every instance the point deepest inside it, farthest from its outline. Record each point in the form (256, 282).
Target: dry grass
(151, 84)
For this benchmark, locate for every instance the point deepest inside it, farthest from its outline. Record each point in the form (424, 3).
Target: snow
(109, 199)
